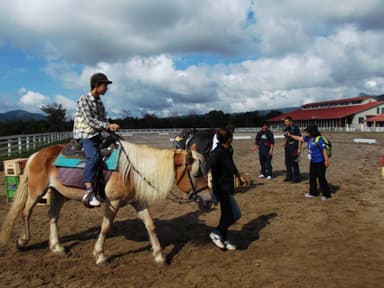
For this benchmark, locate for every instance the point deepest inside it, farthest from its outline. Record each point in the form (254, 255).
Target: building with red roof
(354, 112)
(376, 121)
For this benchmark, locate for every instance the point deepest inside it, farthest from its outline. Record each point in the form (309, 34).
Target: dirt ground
(284, 239)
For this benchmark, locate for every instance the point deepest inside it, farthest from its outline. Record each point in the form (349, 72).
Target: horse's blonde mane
(147, 164)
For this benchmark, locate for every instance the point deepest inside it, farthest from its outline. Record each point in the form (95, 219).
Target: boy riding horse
(90, 121)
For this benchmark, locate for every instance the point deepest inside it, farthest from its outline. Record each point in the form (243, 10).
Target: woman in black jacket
(221, 170)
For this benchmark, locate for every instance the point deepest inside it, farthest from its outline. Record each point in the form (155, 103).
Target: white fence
(11, 146)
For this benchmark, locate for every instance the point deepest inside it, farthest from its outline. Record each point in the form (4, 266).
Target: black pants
(291, 163)
(230, 213)
(265, 163)
(317, 171)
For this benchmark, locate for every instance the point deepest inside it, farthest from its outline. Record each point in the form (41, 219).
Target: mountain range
(20, 115)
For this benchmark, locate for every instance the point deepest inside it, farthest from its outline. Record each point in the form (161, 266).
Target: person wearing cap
(265, 141)
(318, 156)
(292, 151)
(90, 120)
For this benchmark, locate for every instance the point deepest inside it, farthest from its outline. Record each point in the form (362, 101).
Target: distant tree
(150, 119)
(56, 116)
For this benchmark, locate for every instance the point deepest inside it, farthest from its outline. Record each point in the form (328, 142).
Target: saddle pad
(111, 164)
(74, 176)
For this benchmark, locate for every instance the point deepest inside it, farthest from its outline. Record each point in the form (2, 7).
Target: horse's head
(191, 177)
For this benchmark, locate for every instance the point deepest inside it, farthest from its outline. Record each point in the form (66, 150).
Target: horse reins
(192, 196)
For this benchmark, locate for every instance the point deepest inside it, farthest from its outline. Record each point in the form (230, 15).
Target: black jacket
(223, 169)
(264, 139)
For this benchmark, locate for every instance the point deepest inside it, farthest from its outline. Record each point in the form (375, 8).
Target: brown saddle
(74, 149)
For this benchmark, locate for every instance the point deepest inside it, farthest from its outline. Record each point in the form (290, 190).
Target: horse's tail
(16, 207)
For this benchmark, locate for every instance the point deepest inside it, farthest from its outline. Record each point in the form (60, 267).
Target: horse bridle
(192, 196)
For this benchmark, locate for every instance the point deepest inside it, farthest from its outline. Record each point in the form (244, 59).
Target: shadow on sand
(176, 232)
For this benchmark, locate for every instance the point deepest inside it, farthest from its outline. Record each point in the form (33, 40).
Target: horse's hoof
(59, 252)
(101, 260)
(159, 259)
(20, 244)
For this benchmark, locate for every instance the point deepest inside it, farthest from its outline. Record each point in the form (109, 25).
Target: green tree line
(56, 121)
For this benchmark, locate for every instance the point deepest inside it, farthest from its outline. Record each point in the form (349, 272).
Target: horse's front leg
(57, 201)
(144, 215)
(109, 214)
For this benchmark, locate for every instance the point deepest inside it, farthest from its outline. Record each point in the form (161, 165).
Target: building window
(382, 110)
(361, 120)
(378, 110)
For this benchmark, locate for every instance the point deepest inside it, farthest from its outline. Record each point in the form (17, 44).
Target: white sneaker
(261, 176)
(307, 195)
(216, 239)
(89, 203)
(229, 245)
(269, 178)
(323, 198)
(94, 202)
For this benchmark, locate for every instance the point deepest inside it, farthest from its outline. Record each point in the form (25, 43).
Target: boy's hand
(114, 127)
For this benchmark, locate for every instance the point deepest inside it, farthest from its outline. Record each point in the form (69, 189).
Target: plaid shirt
(90, 118)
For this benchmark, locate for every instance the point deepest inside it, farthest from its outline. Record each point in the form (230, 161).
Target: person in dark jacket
(318, 156)
(221, 171)
(265, 141)
(292, 151)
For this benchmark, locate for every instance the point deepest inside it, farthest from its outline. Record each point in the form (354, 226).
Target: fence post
(20, 148)
(27, 143)
(9, 147)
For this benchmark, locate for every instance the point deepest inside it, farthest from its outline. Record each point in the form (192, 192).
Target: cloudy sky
(179, 56)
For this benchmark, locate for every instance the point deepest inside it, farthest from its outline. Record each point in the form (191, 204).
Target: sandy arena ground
(284, 239)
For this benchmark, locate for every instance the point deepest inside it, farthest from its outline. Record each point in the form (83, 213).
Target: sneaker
(324, 198)
(261, 176)
(269, 177)
(216, 239)
(229, 245)
(308, 195)
(90, 200)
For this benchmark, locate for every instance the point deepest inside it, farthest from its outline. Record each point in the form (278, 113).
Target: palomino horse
(145, 174)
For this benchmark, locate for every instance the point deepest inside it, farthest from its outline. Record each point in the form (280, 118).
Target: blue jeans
(230, 213)
(93, 157)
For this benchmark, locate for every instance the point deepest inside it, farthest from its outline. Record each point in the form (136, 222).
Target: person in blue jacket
(318, 156)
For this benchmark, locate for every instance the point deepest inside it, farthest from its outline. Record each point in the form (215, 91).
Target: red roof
(377, 118)
(326, 113)
(339, 101)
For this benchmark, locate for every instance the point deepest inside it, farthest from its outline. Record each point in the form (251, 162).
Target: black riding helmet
(99, 78)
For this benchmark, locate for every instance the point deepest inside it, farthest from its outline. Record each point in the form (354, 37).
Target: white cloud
(69, 105)
(33, 100)
(124, 28)
(285, 54)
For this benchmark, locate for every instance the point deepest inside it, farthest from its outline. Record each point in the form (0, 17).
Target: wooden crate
(14, 167)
